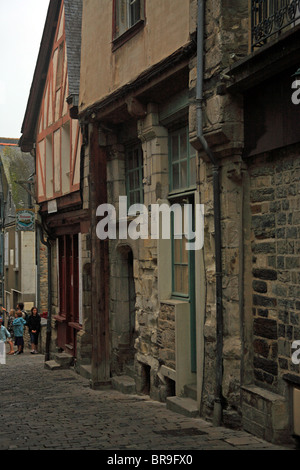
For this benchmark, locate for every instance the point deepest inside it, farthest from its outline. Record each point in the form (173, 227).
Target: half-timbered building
(51, 128)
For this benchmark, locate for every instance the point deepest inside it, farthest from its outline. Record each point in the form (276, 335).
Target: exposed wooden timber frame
(29, 124)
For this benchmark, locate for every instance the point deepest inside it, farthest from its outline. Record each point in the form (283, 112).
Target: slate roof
(73, 19)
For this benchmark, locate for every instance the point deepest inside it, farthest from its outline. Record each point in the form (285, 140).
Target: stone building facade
(217, 118)
(229, 337)
(251, 126)
(129, 114)
(181, 102)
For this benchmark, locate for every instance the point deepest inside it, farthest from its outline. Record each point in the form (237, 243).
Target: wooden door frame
(68, 318)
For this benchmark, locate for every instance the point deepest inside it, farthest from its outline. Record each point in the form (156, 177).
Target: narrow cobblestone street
(57, 410)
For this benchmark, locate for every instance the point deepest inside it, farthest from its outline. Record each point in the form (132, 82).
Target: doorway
(68, 318)
(123, 323)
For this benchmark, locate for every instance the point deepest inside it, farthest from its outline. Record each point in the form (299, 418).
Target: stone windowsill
(174, 301)
(292, 378)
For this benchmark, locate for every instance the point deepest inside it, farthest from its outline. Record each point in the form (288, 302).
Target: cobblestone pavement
(42, 409)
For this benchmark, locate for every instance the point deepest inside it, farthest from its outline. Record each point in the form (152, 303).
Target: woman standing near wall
(34, 326)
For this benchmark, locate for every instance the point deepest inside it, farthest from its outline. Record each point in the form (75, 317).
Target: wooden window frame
(131, 29)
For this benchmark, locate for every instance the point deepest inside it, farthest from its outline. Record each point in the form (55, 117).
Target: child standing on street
(5, 335)
(10, 328)
(18, 325)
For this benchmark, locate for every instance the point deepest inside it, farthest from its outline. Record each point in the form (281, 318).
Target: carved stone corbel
(135, 108)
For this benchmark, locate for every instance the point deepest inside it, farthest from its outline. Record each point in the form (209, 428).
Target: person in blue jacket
(18, 325)
(5, 335)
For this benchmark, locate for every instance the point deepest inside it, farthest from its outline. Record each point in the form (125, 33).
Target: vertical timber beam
(100, 268)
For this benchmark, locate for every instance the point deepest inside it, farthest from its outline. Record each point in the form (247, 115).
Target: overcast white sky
(21, 28)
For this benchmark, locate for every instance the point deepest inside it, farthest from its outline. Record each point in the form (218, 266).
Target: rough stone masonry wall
(145, 281)
(275, 207)
(226, 40)
(166, 335)
(147, 308)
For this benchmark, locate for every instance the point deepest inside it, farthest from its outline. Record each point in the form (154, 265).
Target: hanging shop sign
(25, 220)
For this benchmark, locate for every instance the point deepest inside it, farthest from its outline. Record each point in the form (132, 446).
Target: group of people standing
(18, 319)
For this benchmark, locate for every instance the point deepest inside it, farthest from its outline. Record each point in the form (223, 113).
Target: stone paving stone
(240, 441)
(56, 410)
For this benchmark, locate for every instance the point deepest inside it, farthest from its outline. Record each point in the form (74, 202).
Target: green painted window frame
(181, 156)
(190, 294)
(183, 193)
(134, 174)
(180, 262)
(186, 261)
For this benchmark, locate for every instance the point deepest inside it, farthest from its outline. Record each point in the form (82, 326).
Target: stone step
(85, 371)
(64, 359)
(124, 384)
(190, 391)
(52, 365)
(129, 371)
(183, 405)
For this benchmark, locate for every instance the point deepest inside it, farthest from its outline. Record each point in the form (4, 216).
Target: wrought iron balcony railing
(269, 17)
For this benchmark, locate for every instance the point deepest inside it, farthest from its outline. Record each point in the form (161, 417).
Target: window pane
(138, 197)
(177, 257)
(181, 279)
(183, 182)
(121, 17)
(127, 14)
(185, 253)
(175, 155)
(135, 10)
(131, 181)
(136, 179)
(176, 176)
(181, 152)
(129, 161)
(183, 145)
(136, 158)
(185, 279)
(177, 279)
(131, 199)
(134, 174)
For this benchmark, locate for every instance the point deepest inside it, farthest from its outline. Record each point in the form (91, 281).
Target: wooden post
(100, 268)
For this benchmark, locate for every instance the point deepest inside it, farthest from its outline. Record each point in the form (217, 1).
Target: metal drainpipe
(217, 212)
